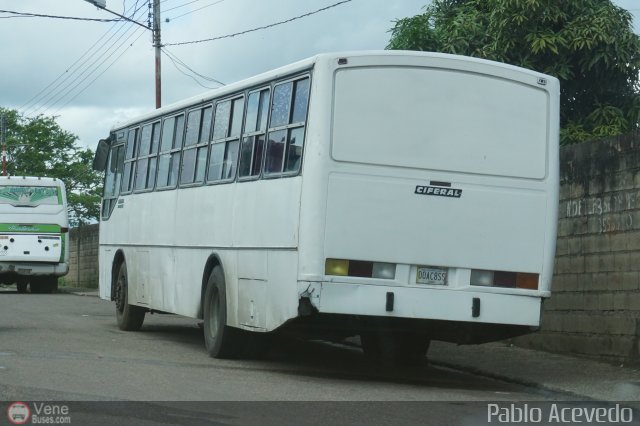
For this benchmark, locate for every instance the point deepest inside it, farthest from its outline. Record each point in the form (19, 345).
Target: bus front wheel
(220, 340)
(129, 317)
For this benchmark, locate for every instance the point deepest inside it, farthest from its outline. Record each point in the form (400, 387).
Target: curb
(79, 291)
(508, 379)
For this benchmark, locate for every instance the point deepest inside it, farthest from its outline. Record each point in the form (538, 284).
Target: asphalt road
(64, 347)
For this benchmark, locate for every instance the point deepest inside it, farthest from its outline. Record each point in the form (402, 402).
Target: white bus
(399, 196)
(34, 223)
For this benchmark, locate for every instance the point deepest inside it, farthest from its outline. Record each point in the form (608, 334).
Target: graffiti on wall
(613, 211)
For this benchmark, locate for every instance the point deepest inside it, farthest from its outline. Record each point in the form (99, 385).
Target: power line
(195, 10)
(54, 95)
(42, 94)
(48, 95)
(177, 62)
(100, 75)
(184, 73)
(70, 86)
(37, 15)
(259, 28)
(182, 5)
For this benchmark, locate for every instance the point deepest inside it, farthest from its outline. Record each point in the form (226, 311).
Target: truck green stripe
(29, 227)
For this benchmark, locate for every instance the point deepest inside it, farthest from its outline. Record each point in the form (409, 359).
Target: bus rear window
(30, 196)
(446, 120)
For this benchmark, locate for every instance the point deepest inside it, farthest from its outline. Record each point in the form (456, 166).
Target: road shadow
(322, 360)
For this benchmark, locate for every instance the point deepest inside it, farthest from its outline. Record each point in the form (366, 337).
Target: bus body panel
(487, 132)
(484, 228)
(170, 254)
(32, 247)
(418, 303)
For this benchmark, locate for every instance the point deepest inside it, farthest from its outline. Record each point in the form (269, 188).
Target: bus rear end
(442, 194)
(33, 233)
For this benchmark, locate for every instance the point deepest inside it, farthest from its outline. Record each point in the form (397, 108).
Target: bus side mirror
(102, 154)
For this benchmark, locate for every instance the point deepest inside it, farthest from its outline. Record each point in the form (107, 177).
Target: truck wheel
(220, 340)
(129, 317)
(22, 286)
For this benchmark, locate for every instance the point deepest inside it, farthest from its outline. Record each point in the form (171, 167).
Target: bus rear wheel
(129, 317)
(22, 286)
(220, 340)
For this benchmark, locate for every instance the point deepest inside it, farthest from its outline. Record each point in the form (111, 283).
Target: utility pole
(157, 44)
(3, 140)
(102, 4)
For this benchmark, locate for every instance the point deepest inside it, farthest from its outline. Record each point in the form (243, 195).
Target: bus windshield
(29, 196)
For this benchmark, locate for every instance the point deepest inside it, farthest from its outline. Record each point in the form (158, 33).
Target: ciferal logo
(18, 413)
(438, 191)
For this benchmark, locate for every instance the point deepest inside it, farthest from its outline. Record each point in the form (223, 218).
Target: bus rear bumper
(424, 303)
(10, 270)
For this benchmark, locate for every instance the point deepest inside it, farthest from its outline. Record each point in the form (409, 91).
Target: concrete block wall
(594, 309)
(83, 262)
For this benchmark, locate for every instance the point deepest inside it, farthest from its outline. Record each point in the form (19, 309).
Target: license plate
(431, 275)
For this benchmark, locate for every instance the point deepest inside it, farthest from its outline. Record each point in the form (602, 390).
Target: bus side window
(226, 140)
(142, 165)
(194, 156)
(112, 180)
(170, 146)
(129, 160)
(288, 110)
(255, 126)
(119, 166)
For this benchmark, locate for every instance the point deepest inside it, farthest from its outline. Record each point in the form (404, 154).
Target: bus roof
(309, 63)
(30, 181)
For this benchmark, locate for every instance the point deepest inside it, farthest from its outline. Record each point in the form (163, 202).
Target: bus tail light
(359, 268)
(504, 279)
(483, 278)
(527, 281)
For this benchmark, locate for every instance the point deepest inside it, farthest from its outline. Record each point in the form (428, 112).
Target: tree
(589, 45)
(40, 147)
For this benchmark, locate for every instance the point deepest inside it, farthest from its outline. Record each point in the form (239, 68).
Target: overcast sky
(95, 74)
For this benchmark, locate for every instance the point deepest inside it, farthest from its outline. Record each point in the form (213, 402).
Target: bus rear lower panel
(336, 327)
(461, 316)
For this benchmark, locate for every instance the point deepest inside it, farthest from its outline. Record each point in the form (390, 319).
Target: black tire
(398, 347)
(220, 340)
(22, 287)
(37, 286)
(129, 317)
(50, 284)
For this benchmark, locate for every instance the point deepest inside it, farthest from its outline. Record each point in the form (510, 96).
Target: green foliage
(589, 45)
(39, 147)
